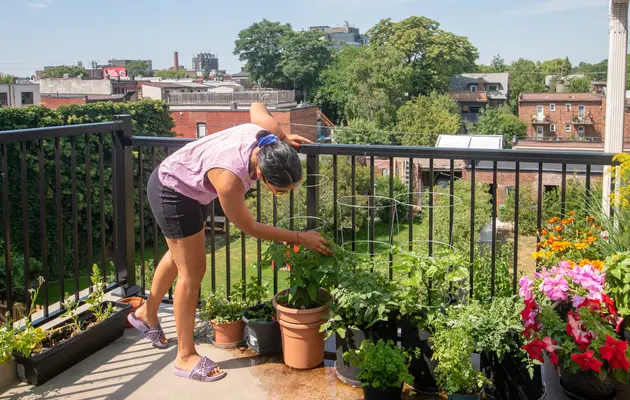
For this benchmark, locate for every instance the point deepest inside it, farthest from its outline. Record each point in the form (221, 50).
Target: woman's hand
(295, 140)
(314, 242)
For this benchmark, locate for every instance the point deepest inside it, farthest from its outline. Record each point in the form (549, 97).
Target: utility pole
(616, 89)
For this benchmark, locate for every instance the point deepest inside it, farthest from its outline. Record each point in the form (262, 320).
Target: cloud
(40, 4)
(555, 6)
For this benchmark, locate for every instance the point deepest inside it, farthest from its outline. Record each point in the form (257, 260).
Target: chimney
(481, 85)
(176, 56)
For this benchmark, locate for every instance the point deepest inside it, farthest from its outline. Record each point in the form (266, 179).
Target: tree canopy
(171, 73)
(579, 85)
(434, 54)
(361, 131)
(72, 71)
(7, 78)
(137, 68)
(427, 117)
(499, 121)
(557, 66)
(525, 77)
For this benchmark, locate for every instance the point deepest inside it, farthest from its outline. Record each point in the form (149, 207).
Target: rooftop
(525, 97)
(462, 82)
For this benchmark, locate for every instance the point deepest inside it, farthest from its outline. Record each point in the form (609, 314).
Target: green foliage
(557, 66)
(365, 82)
(7, 79)
(137, 68)
(7, 340)
(384, 210)
(150, 118)
(497, 65)
(96, 297)
(618, 281)
(171, 73)
(260, 46)
(382, 365)
(500, 121)
(29, 339)
(525, 77)
(426, 117)
(265, 312)
(482, 272)
(217, 308)
(363, 131)
(579, 85)
(361, 299)
(58, 72)
(434, 54)
(17, 276)
(70, 306)
(303, 58)
(597, 71)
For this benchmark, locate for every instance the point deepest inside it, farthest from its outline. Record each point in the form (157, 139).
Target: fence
(351, 169)
(269, 98)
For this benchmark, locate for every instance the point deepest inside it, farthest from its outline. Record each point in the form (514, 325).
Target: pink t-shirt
(185, 171)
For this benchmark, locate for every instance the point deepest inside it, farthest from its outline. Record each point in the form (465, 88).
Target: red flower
(530, 307)
(610, 304)
(529, 330)
(296, 248)
(614, 351)
(587, 362)
(534, 349)
(574, 329)
(594, 305)
(550, 348)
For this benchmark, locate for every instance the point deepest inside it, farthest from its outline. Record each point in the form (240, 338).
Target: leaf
(341, 332)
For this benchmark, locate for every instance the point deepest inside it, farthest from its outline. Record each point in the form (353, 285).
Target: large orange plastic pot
(302, 342)
(228, 335)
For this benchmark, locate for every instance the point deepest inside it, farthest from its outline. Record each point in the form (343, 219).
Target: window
(508, 190)
(552, 128)
(27, 98)
(582, 111)
(201, 129)
(386, 172)
(552, 107)
(406, 171)
(493, 88)
(568, 107)
(580, 131)
(473, 88)
(540, 113)
(567, 128)
(475, 110)
(465, 109)
(4, 100)
(540, 131)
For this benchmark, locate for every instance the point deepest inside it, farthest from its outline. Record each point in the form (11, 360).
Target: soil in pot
(587, 386)
(135, 302)
(370, 393)
(420, 368)
(228, 335)
(354, 337)
(263, 337)
(511, 380)
(302, 342)
(478, 396)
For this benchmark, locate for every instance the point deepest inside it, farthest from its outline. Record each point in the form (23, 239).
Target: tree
(558, 66)
(137, 68)
(496, 65)
(58, 72)
(525, 77)
(171, 73)
(579, 85)
(7, 79)
(260, 46)
(304, 57)
(361, 131)
(366, 82)
(500, 121)
(434, 54)
(426, 117)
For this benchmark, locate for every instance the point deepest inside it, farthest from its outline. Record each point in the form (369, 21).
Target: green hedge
(150, 118)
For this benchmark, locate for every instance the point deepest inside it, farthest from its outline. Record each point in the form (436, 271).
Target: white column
(616, 86)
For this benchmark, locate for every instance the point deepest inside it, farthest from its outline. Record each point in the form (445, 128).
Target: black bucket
(370, 393)
(420, 368)
(354, 337)
(262, 337)
(511, 380)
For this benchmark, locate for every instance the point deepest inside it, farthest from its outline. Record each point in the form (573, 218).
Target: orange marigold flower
(548, 254)
(560, 246)
(597, 264)
(567, 221)
(545, 232)
(590, 219)
(572, 213)
(554, 220)
(591, 239)
(580, 245)
(558, 229)
(537, 255)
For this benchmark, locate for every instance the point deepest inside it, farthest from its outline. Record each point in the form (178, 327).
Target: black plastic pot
(39, 368)
(262, 337)
(587, 386)
(511, 381)
(354, 337)
(465, 396)
(420, 368)
(369, 393)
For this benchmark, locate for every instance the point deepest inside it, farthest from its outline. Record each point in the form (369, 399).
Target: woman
(223, 165)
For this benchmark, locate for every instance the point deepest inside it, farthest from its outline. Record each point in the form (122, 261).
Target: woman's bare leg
(190, 258)
(165, 274)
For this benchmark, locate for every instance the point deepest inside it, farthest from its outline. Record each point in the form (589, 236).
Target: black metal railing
(143, 154)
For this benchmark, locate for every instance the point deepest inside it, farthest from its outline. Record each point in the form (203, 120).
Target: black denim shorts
(177, 215)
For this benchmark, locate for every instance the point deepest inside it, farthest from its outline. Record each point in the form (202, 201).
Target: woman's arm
(232, 197)
(260, 116)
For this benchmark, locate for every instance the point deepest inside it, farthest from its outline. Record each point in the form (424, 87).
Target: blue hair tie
(267, 139)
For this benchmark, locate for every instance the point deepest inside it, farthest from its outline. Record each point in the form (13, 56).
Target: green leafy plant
(361, 299)
(617, 286)
(265, 312)
(216, 307)
(7, 340)
(71, 305)
(95, 299)
(29, 339)
(383, 365)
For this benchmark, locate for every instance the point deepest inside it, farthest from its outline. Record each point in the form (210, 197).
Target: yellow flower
(580, 245)
(537, 255)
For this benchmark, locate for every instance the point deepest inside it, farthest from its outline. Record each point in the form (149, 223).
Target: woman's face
(276, 190)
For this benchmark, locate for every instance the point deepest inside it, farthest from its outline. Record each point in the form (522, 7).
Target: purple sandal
(201, 371)
(154, 334)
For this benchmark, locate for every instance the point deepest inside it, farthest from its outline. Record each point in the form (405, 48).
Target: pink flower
(577, 301)
(527, 287)
(574, 330)
(555, 288)
(550, 347)
(564, 265)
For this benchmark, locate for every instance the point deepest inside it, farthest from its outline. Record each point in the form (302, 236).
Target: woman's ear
(258, 173)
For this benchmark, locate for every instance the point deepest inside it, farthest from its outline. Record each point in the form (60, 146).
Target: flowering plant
(570, 239)
(568, 317)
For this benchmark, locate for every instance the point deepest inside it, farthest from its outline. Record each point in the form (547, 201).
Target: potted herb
(262, 331)
(453, 348)
(419, 298)
(362, 308)
(303, 307)
(568, 317)
(41, 355)
(383, 369)
(8, 370)
(618, 286)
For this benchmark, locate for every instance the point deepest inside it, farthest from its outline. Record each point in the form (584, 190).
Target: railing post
(124, 248)
(312, 190)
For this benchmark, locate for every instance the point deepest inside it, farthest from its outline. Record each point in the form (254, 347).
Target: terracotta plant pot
(228, 335)
(302, 343)
(8, 375)
(135, 302)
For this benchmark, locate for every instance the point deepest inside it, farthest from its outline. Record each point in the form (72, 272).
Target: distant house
(475, 92)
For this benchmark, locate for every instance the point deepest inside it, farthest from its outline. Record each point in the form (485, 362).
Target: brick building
(475, 92)
(563, 115)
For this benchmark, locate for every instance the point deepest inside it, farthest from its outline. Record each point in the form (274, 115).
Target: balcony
(582, 120)
(130, 368)
(271, 98)
(535, 120)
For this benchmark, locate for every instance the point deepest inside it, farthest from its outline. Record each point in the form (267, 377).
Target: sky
(34, 33)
